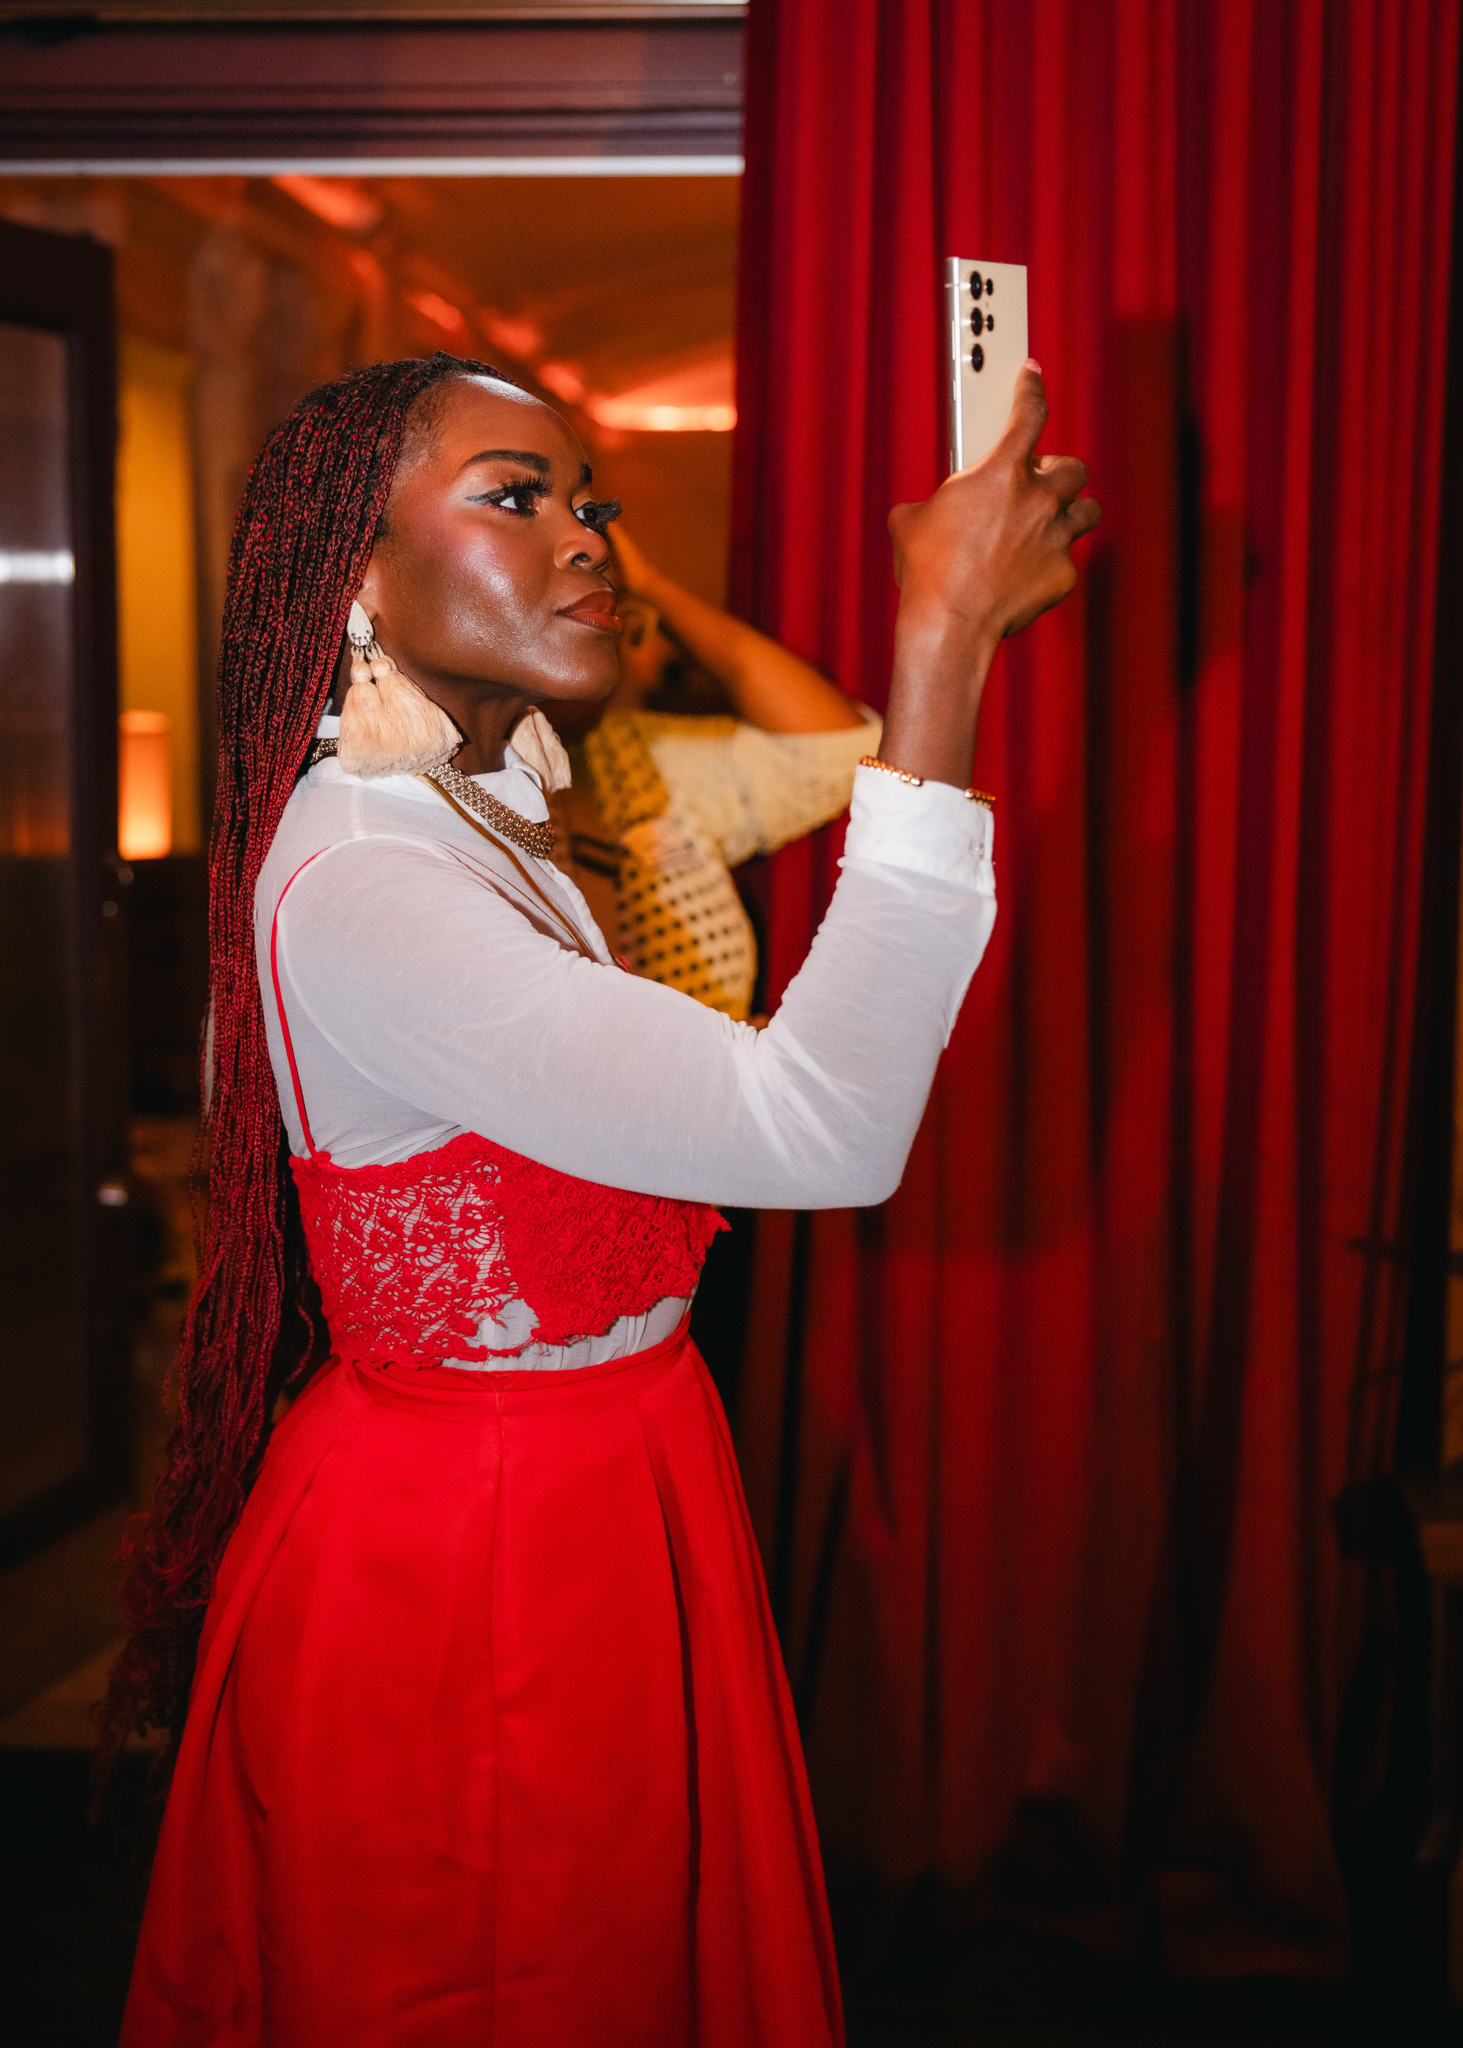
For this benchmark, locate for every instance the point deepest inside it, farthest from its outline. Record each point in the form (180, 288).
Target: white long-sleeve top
(426, 996)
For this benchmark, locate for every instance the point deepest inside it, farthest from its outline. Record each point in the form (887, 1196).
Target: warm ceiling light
(436, 309)
(340, 201)
(696, 400)
(647, 418)
(522, 339)
(563, 380)
(144, 785)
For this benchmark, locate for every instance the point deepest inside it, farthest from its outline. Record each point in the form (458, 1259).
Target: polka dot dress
(680, 920)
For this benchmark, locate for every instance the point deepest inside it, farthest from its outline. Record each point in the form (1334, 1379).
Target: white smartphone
(985, 306)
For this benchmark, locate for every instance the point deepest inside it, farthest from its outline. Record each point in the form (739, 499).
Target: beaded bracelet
(976, 796)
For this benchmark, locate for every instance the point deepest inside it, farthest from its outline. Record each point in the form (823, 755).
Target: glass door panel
(64, 1448)
(42, 1365)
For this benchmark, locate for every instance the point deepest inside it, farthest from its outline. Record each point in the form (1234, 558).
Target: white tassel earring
(539, 747)
(387, 725)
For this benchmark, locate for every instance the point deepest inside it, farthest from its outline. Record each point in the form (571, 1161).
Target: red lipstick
(596, 611)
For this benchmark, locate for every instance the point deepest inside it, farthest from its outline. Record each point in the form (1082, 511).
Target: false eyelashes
(598, 515)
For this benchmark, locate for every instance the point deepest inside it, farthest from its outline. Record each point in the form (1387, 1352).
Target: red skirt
(490, 1741)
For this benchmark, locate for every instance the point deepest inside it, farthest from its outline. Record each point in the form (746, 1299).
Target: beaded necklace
(462, 790)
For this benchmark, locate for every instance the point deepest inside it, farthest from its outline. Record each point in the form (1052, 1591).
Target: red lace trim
(411, 1258)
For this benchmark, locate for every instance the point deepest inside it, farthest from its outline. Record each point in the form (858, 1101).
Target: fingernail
(1033, 364)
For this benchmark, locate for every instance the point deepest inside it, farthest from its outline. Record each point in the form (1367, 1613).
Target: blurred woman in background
(670, 794)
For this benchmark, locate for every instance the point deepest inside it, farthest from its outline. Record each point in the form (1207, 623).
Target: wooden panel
(39, 19)
(525, 88)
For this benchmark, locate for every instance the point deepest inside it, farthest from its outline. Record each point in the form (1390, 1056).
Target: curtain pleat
(1043, 1454)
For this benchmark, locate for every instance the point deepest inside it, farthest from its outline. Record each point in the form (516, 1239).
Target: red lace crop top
(411, 1258)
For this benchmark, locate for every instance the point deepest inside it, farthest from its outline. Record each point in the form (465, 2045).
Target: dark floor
(69, 1900)
(1006, 1988)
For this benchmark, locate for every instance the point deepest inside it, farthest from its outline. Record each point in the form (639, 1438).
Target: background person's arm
(768, 686)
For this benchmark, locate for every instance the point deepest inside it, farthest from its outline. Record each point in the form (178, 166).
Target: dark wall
(168, 961)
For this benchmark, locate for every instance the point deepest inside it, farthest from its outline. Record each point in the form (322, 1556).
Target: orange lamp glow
(145, 789)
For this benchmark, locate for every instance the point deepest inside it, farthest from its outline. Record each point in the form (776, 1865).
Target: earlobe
(369, 596)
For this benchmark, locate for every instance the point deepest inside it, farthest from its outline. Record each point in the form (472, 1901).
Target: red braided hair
(313, 507)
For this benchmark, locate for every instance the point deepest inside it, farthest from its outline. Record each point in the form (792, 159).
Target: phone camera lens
(990, 286)
(990, 323)
(977, 322)
(977, 357)
(976, 285)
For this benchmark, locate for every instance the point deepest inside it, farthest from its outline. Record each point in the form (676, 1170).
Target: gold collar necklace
(461, 790)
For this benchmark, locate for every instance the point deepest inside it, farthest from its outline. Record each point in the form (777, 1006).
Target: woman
(664, 804)
(488, 1739)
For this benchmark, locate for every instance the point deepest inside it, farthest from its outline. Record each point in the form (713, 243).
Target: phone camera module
(977, 357)
(977, 286)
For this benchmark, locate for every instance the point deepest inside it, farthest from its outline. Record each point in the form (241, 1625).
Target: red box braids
(312, 510)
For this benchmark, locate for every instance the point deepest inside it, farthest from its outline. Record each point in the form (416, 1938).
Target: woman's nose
(582, 548)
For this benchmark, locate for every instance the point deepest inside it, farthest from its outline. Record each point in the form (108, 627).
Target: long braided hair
(312, 509)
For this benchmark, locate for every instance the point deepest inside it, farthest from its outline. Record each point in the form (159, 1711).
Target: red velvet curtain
(1043, 1454)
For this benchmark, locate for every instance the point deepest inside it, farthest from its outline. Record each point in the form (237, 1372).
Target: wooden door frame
(435, 91)
(63, 283)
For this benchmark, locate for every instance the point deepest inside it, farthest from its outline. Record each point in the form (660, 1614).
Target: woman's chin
(590, 687)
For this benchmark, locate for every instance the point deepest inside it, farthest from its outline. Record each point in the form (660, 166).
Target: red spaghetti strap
(284, 1025)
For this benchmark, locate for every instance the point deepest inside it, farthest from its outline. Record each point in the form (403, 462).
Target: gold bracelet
(976, 796)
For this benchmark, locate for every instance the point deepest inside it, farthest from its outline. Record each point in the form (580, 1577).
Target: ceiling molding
(668, 88)
(43, 20)
(663, 166)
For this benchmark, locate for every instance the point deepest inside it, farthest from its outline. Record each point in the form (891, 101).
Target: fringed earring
(539, 747)
(387, 725)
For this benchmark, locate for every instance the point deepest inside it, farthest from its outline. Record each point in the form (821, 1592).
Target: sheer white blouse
(425, 997)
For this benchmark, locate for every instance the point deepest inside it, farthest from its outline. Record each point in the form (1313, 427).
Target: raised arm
(404, 971)
(769, 687)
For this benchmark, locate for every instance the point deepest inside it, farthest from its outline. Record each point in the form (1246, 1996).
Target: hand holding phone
(989, 551)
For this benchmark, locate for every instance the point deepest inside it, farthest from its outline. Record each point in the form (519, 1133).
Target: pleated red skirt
(490, 1741)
